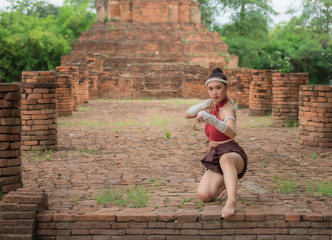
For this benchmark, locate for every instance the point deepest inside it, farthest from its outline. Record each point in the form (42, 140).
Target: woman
(226, 162)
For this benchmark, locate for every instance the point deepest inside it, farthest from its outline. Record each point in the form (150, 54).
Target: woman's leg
(211, 185)
(231, 164)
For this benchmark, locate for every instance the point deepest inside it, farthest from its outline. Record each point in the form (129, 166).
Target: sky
(280, 6)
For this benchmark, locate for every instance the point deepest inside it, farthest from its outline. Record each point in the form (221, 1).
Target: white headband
(215, 79)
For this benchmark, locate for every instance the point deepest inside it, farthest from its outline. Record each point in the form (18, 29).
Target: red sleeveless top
(211, 132)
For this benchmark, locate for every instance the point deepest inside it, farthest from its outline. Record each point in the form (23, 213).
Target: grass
(82, 123)
(200, 205)
(265, 121)
(155, 184)
(82, 109)
(111, 28)
(45, 154)
(167, 135)
(156, 120)
(90, 151)
(134, 197)
(320, 188)
(284, 186)
(291, 123)
(185, 201)
(126, 123)
(265, 162)
(314, 156)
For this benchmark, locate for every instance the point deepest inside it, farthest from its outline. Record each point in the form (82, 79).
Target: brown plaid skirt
(211, 159)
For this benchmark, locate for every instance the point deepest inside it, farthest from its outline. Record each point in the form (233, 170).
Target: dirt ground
(113, 145)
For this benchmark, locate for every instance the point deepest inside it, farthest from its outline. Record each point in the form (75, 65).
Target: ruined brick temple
(147, 48)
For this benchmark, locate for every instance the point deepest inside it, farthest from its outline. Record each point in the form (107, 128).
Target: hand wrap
(193, 110)
(212, 119)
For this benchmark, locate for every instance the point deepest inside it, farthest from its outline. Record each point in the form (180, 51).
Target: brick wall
(285, 90)
(94, 69)
(39, 116)
(260, 92)
(183, 226)
(239, 80)
(83, 89)
(315, 115)
(18, 214)
(73, 71)
(64, 94)
(149, 11)
(10, 138)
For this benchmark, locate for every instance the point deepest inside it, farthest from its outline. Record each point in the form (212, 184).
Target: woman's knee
(204, 196)
(225, 161)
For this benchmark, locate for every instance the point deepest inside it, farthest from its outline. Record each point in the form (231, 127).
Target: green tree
(207, 12)
(243, 11)
(27, 43)
(73, 19)
(29, 8)
(31, 42)
(294, 47)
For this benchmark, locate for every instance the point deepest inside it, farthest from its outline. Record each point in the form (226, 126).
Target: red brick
(52, 232)
(35, 96)
(105, 225)
(5, 113)
(156, 225)
(292, 217)
(187, 217)
(212, 225)
(79, 225)
(147, 217)
(166, 217)
(119, 225)
(107, 232)
(80, 231)
(101, 237)
(18, 215)
(59, 217)
(9, 171)
(10, 121)
(316, 217)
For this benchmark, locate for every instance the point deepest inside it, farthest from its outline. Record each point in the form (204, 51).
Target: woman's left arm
(230, 122)
(227, 128)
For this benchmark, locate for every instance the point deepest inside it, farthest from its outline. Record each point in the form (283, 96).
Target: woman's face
(217, 91)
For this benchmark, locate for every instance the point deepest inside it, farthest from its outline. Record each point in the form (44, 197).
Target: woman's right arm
(193, 110)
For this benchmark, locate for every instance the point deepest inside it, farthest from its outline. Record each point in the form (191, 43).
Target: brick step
(16, 230)
(160, 93)
(17, 222)
(17, 236)
(109, 46)
(163, 85)
(16, 207)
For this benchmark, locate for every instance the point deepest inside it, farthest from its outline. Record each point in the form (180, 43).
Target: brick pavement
(115, 144)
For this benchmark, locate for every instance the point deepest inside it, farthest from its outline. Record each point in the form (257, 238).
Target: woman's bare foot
(229, 209)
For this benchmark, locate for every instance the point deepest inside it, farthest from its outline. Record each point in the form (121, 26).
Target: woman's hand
(199, 119)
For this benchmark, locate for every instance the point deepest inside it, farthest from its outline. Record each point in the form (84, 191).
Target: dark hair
(217, 73)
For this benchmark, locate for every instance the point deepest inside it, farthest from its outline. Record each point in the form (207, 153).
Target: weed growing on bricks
(185, 201)
(134, 197)
(284, 186)
(320, 188)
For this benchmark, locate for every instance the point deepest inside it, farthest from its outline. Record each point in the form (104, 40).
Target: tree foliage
(301, 45)
(32, 37)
